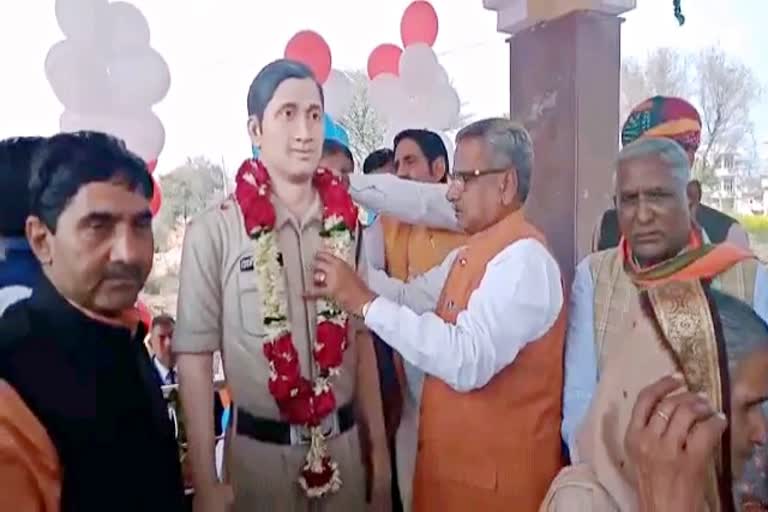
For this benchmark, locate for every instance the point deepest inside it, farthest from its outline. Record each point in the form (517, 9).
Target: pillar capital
(516, 15)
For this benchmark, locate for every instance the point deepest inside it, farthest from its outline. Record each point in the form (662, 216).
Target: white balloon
(82, 20)
(445, 108)
(419, 68)
(387, 95)
(138, 79)
(144, 134)
(71, 121)
(448, 141)
(128, 28)
(339, 92)
(78, 76)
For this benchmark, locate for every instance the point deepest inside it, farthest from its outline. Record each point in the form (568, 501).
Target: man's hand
(335, 280)
(671, 439)
(214, 498)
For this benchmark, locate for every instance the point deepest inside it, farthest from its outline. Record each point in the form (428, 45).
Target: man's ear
(509, 188)
(693, 191)
(439, 168)
(254, 131)
(39, 238)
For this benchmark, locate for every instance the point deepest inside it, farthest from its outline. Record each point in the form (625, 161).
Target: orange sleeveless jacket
(496, 448)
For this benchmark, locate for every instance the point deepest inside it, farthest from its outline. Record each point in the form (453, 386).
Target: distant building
(736, 189)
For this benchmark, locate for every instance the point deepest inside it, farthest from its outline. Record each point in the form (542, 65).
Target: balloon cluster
(108, 77)
(410, 88)
(310, 48)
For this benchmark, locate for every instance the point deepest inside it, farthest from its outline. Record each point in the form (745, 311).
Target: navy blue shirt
(19, 266)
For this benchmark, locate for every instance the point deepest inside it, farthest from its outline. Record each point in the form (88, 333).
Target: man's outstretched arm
(424, 204)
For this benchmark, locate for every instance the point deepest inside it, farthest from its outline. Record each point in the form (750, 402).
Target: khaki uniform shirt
(219, 305)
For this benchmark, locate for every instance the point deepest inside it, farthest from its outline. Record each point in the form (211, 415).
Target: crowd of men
(396, 339)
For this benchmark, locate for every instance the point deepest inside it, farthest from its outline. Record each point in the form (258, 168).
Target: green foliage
(755, 225)
(187, 190)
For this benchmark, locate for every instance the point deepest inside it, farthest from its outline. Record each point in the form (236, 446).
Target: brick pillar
(564, 86)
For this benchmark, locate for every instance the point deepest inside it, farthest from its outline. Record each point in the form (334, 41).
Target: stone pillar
(564, 86)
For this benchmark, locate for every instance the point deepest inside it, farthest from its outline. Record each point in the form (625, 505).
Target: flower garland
(301, 401)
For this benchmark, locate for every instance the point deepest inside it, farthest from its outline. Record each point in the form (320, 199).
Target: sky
(214, 48)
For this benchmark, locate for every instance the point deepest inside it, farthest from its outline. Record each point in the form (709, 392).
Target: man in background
(160, 342)
(381, 161)
(337, 157)
(19, 268)
(73, 351)
(678, 120)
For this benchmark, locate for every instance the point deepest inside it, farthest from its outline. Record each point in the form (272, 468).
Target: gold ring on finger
(320, 277)
(661, 414)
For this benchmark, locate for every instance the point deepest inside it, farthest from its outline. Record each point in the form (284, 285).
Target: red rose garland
(301, 401)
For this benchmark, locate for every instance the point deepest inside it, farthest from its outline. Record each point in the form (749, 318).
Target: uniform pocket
(249, 302)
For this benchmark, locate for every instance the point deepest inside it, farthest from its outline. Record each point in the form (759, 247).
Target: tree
(365, 128)
(665, 71)
(187, 190)
(727, 91)
(722, 87)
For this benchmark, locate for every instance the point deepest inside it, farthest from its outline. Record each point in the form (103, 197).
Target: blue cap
(334, 131)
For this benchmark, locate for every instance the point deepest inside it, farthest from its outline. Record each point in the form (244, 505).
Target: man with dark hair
(337, 157)
(421, 155)
(19, 268)
(381, 161)
(73, 352)
(160, 336)
(305, 387)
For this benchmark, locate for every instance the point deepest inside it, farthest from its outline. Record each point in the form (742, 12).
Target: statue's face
(290, 134)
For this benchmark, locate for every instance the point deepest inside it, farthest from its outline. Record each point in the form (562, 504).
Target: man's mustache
(124, 272)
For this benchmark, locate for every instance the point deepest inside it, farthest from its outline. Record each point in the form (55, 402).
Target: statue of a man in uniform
(302, 374)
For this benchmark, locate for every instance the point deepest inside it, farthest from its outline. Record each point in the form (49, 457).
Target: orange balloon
(157, 197)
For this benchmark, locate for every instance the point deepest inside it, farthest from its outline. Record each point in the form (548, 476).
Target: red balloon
(145, 315)
(385, 58)
(310, 48)
(157, 198)
(151, 166)
(419, 24)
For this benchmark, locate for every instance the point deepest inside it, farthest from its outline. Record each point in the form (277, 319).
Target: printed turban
(663, 116)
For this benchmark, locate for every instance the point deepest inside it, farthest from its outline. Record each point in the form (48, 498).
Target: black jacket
(92, 387)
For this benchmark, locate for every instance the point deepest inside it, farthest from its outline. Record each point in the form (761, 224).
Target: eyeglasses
(465, 176)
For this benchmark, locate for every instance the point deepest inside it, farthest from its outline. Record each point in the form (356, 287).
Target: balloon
(386, 95)
(157, 198)
(310, 48)
(143, 134)
(385, 58)
(128, 28)
(339, 92)
(419, 24)
(82, 20)
(448, 141)
(78, 76)
(145, 315)
(151, 166)
(138, 79)
(419, 69)
(74, 122)
(445, 108)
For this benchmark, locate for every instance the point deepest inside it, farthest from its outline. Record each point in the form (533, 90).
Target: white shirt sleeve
(424, 204)
(518, 300)
(373, 245)
(419, 294)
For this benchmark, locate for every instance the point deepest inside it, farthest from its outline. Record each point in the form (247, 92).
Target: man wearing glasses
(486, 326)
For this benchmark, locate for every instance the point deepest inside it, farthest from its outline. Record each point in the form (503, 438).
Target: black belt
(279, 432)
